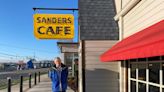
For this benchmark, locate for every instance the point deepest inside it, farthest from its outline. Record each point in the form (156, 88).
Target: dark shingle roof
(96, 20)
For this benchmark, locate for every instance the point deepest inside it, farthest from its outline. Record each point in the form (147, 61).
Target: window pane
(133, 86)
(142, 71)
(163, 74)
(153, 89)
(141, 87)
(163, 90)
(154, 72)
(133, 70)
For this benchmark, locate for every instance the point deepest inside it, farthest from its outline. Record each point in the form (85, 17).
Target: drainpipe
(127, 8)
(120, 22)
(119, 18)
(80, 67)
(121, 28)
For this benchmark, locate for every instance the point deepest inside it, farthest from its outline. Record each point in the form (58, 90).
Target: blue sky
(16, 28)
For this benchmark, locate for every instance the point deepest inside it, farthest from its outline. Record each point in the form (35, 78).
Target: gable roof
(96, 20)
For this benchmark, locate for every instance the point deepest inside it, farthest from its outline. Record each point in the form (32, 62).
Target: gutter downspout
(119, 18)
(127, 8)
(120, 23)
(120, 63)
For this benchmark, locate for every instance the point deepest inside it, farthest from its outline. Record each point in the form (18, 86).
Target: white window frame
(160, 85)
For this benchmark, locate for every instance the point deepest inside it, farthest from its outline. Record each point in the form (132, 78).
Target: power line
(12, 46)
(6, 54)
(66, 9)
(15, 56)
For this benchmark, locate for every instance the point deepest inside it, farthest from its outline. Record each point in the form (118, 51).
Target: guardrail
(18, 77)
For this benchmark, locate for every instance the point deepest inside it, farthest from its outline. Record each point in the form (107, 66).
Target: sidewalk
(44, 86)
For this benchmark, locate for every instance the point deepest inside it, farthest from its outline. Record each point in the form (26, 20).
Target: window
(163, 73)
(144, 75)
(133, 86)
(154, 72)
(141, 87)
(153, 89)
(142, 72)
(133, 70)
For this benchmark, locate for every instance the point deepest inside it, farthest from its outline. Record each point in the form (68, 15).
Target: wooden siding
(100, 76)
(125, 2)
(143, 15)
(117, 5)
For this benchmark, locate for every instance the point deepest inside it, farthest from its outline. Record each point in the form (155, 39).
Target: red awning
(146, 43)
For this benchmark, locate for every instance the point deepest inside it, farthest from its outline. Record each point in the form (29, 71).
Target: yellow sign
(54, 26)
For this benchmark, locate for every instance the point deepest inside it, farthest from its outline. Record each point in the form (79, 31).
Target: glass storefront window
(140, 77)
(133, 70)
(154, 72)
(141, 87)
(142, 71)
(163, 73)
(153, 89)
(133, 86)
